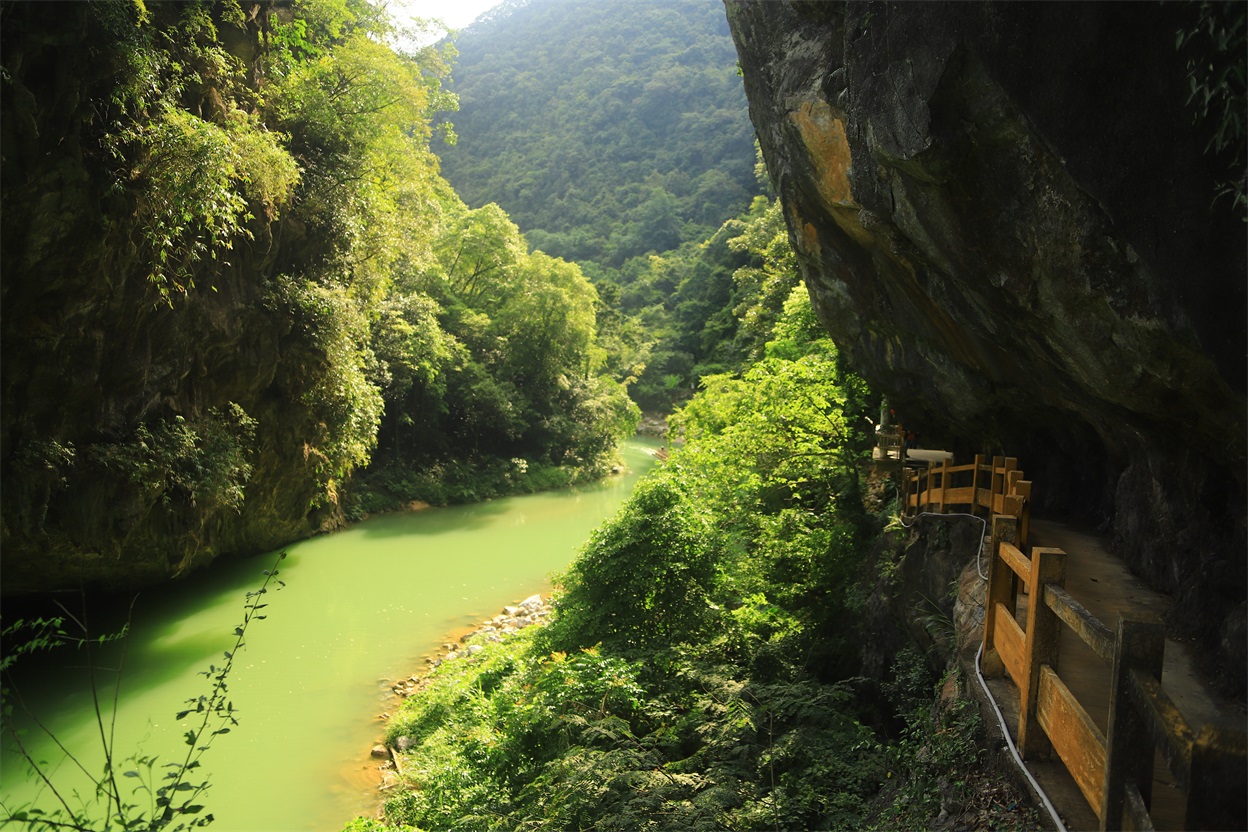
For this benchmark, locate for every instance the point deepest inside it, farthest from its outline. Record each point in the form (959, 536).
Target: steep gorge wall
(119, 430)
(1005, 216)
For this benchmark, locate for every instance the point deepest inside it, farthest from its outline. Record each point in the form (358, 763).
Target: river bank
(384, 760)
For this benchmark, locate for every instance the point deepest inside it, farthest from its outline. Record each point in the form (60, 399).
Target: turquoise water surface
(360, 607)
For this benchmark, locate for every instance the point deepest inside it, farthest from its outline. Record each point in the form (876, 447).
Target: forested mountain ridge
(605, 129)
(233, 278)
(616, 134)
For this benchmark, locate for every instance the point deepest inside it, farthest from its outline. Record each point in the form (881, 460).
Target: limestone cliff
(1005, 216)
(131, 425)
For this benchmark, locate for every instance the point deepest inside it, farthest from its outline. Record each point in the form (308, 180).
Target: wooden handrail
(1170, 731)
(1113, 770)
(993, 486)
(1085, 625)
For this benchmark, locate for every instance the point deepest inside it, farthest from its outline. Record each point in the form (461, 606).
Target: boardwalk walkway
(1102, 584)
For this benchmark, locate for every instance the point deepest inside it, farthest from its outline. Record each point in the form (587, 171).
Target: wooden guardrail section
(1113, 772)
(987, 486)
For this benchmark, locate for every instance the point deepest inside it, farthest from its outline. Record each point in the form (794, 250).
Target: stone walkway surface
(1102, 583)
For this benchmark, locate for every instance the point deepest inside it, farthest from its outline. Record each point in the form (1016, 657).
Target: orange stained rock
(823, 133)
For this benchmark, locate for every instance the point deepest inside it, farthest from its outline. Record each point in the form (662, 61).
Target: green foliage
(771, 276)
(194, 158)
(345, 401)
(931, 765)
(138, 792)
(619, 139)
(607, 131)
(489, 354)
(205, 460)
(646, 577)
(1215, 43)
(690, 678)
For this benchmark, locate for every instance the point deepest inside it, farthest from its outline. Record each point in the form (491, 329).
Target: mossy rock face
(1005, 217)
(111, 438)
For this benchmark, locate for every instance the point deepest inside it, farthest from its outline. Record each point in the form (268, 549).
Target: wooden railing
(987, 487)
(1113, 772)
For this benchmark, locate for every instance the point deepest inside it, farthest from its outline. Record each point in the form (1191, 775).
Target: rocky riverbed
(531, 611)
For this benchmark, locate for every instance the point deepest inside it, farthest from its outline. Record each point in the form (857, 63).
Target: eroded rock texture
(1005, 215)
(125, 421)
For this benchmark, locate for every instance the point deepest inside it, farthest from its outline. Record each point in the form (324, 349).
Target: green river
(361, 607)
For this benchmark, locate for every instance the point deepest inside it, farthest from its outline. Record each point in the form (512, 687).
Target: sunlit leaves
(189, 206)
(646, 577)
(346, 403)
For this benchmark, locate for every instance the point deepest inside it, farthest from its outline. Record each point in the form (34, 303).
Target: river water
(360, 607)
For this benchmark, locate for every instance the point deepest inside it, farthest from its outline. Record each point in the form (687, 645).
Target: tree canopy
(606, 130)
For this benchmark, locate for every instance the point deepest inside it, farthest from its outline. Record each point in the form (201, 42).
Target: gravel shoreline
(532, 611)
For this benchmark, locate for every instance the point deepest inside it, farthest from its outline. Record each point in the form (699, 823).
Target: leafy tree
(606, 130)
(691, 678)
(1214, 43)
(646, 578)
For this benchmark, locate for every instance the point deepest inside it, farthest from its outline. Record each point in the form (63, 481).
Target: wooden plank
(1019, 563)
(1011, 646)
(1135, 814)
(1044, 630)
(1012, 505)
(1138, 645)
(1074, 736)
(1086, 625)
(1166, 724)
(960, 496)
(996, 483)
(976, 467)
(944, 485)
(999, 593)
(983, 498)
(1219, 769)
(1023, 489)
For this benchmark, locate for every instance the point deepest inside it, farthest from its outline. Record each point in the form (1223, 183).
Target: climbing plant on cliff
(1217, 72)
(191, 151)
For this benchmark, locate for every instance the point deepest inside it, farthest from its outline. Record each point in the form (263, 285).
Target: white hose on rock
(983, 683)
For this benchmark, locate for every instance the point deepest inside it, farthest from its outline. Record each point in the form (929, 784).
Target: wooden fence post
(1043, 630)
(1219, 769)
(996, 483)
(944, 483)
(1129, 745)
(999, 591)
(1023, 489)
(979, 461)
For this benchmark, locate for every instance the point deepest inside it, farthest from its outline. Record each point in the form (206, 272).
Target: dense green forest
(616, 135)
(606, 130)
(704, 669)
(284, 291)
(293, 320)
